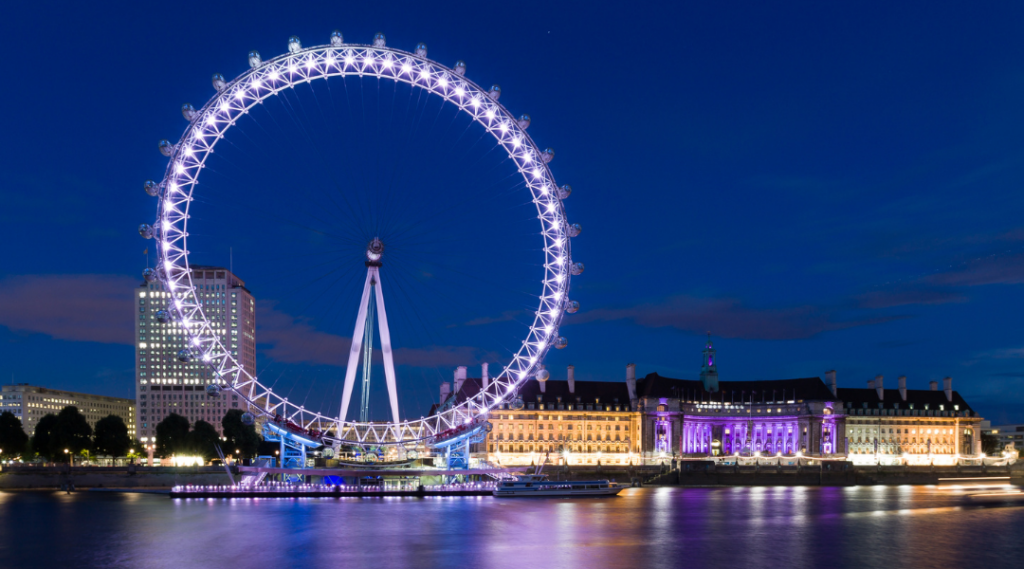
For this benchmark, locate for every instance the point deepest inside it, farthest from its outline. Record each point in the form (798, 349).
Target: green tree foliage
(71, 432)
(172, 436)
(13, 440)
(111, 437)
(43, 436)
(240, 437)
(202, 439)
(990, 444)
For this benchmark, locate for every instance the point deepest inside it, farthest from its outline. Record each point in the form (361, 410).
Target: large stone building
(31, 403)
(165, 385)
(910, 426)
(656, 418)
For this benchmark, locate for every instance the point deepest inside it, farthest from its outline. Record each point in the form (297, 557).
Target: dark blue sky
(820, 187)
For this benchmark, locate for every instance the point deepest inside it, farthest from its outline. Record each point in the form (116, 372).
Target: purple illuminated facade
(709, 417)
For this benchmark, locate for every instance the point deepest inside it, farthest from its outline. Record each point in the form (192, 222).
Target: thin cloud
(731, 318)
(79, 308)
(288, 339)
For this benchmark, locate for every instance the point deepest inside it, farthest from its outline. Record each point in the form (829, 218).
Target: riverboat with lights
(539, 486)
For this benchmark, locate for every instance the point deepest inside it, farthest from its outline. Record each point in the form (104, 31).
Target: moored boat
(538, 486)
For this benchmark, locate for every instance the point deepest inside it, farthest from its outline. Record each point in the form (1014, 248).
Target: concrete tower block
(446, 390)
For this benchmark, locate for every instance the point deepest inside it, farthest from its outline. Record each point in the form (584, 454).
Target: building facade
(656, 418)
(566, 422)
(909, 426)
(165, 385)
(708, 417)
(32, 402)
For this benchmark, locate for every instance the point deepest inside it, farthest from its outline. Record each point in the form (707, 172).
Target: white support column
(354, 353)
(385, 345)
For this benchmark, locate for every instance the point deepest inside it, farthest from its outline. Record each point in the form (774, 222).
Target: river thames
(900, 526)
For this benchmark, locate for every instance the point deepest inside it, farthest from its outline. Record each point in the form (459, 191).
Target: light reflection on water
(649, 527)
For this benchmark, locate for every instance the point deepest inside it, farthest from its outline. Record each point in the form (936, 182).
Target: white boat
(538, 486)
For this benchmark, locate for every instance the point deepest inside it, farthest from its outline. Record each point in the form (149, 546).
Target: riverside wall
(835, 474)
(50, 477)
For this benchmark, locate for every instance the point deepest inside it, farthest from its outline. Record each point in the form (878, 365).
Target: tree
(111, 437)
(44, 435)
(13, 440)
(202, 440)
(990, 444)
(71, 432)
(172, 436)
(240, 437)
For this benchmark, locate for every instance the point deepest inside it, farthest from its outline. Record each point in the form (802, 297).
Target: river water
(902, 527)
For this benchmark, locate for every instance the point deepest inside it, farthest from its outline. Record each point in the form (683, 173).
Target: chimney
(878, 387)
(830, 379)
(572, 379)
(934, 385)
(485, 379)
(947, 386)
(871, 384)
(460, 378)
(542, 385)
(631, 381)
(903, 387)
(446, 390)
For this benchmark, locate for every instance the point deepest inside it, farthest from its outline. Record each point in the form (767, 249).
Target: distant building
(1007, 434)
(31, 403)
(165, 385)
(911, 426)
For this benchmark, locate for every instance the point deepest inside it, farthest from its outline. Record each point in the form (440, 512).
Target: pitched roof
(858, 396)
(805, 388)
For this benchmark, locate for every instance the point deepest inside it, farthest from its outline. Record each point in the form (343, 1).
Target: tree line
(68, 430)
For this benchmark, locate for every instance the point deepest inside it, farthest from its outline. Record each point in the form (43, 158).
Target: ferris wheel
(179, 199)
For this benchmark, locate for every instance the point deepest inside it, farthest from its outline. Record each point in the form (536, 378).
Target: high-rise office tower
(164, 385)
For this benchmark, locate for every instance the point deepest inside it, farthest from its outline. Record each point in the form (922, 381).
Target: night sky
(819, 187)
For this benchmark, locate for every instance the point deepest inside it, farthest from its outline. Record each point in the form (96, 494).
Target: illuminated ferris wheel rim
(264, 79)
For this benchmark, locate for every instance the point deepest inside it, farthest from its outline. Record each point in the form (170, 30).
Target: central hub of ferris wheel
(362, 339)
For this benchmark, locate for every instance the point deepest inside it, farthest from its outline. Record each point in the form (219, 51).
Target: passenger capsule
(379, 40)
(495, 92)
(337, 40)
(219, 82)
(294, 45)
(575, 229)
(149, 275)
(421, 49)
(516, 404)
(561, 343)
(249, 418)
(564, 191)
(524, 121)
(572, 307)
(213, 390)
(543, 375)
(162, 316)
(188, 111)
(577, 268)
(460, 67)
(166, 148)
(548, 155)
(254, 59)
(146, 230)
(151, 188)
(185, 356)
